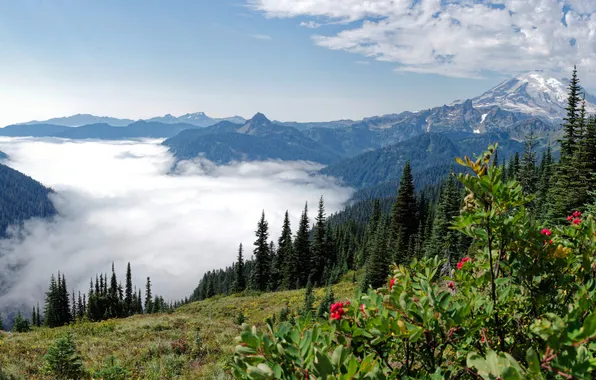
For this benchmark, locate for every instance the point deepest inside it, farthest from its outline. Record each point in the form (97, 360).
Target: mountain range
(365, 154)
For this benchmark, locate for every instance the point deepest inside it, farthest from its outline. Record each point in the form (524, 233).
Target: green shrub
(112, 371)
(63, 360)
(239, 319)
(21, 324)
(521, 306)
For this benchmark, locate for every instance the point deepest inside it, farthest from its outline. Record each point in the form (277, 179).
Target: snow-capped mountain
(536, 93)
(198, 118)
(82, 119)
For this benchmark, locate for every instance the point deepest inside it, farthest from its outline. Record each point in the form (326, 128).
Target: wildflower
(462, 262)
(451, 285)
(570, 218)
(546, 232)
(577, 214)
(337, 310)
(391, 283)
(415, 299)
(576, 221)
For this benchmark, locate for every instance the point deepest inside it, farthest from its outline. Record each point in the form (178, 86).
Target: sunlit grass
(158, 346)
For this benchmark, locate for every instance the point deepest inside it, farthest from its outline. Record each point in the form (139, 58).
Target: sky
(119, 202)
(294, 60)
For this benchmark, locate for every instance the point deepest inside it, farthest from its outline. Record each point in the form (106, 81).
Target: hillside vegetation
(195, 341)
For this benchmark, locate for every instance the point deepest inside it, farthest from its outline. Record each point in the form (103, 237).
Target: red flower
(546, 232)
(337, 310)
(451, 285)
(550, 242)
(576, 221)
(415, 299)
(462, 262)
(577, 214)
(391, 283)
(570, 218)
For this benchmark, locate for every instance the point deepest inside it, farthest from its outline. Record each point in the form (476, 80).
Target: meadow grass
(195, 341)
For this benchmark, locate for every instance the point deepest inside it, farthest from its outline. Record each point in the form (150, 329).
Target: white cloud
(310, 24)
(118, 203)
(457, 38)
(263, 37)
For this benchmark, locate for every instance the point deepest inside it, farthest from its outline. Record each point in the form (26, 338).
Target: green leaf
(323, 366)
(245, 350)
(533, 361)
(336, 357)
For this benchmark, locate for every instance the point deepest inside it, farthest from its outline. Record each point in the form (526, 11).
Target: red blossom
(451, 285)
(577, 214)
(337, 310)
(462, 262)
(576, 221)
(391, 283)
(546, 232)
(570, 218)
(550, 242)
(362, 309)
(415, 299)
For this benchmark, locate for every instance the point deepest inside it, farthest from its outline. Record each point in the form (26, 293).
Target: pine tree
(309, 299)
(148, 299)
(286, 256)
(51, 312)
(543, 203)
(1, 323)
(80, 307)
(302, 249)
(568, 143)
(139, 303)
(403, 216)
(65, 310)
(377, 266)
(318, 247)
(128, 292)
(261, 270)
(63, 360)
(37, 317)
(20, 324)
(528, 175)
(239, 279)
(73, 312)
(326, 302)
(447, 208)
(590, 153)
(33, 317)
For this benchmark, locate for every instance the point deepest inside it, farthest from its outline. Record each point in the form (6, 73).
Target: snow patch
(483, 118)
(477, 131)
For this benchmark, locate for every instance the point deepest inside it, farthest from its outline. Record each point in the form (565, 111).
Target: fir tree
(286, 256)
(1, 323)
(568, 143)
(528, 175)
(63, 360)
(51, 312)
(318, 247)
(326, 302)
(73, 311)
(37, 317)
(309, 299)
(148, 300)
(377, 266)
(239, 279)
(403, 216)
(21, 324)
(261, 270)
(128, 292)
(302, 248)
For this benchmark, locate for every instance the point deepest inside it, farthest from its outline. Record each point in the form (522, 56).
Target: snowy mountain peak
(536, 92)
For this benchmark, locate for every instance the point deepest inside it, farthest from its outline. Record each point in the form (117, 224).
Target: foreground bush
(519, 307)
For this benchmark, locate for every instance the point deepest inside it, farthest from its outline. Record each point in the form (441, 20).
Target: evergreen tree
(73, 312)
(528, 174)
(33, 317)
(318, 247)
(139, 303)
(570, 124)
(1, 323)
(543, 203)
(326, 302)
(309, 299)
(80, 307)
(128, 292)
(261, 270)
(447, 208)
(20, 324)
(302, 248)
(286, 256)
(590, 153)
(148, 300)
(37, 317)
(63, 360)
(377, 266)
(51, 312)
(403, 216)
(239, 279)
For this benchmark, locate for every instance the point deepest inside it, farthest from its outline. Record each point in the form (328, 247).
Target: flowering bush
(516, 309)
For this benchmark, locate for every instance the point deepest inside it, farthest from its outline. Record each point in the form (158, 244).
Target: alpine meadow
(198, 190)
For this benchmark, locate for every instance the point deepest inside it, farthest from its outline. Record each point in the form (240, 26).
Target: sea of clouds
(128, 201)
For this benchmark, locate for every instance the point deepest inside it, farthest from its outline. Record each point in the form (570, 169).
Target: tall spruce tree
(443, 240)
(51, 312)
(239, 279)
(377, 266)
(543, 202)
(261, 270)
(570, 122)
(318, 247)
(403, 217)
(528, 176)
(148, 300)
(128, 293)
(286, 256)
(302, 248)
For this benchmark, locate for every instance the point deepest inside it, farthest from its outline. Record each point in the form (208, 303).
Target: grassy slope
(143, 344)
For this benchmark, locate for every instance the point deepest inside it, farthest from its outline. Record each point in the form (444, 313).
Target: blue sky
(139, 59)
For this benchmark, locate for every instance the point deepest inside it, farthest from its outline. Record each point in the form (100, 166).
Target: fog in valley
(129, 201)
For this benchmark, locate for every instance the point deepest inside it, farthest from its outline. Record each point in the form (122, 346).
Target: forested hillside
(21, 198)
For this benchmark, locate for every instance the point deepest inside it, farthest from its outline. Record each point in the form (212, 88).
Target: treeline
(369, 235)
(106, 299)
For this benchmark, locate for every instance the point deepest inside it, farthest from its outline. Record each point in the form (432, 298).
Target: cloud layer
(461, 38)
(118, 203)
